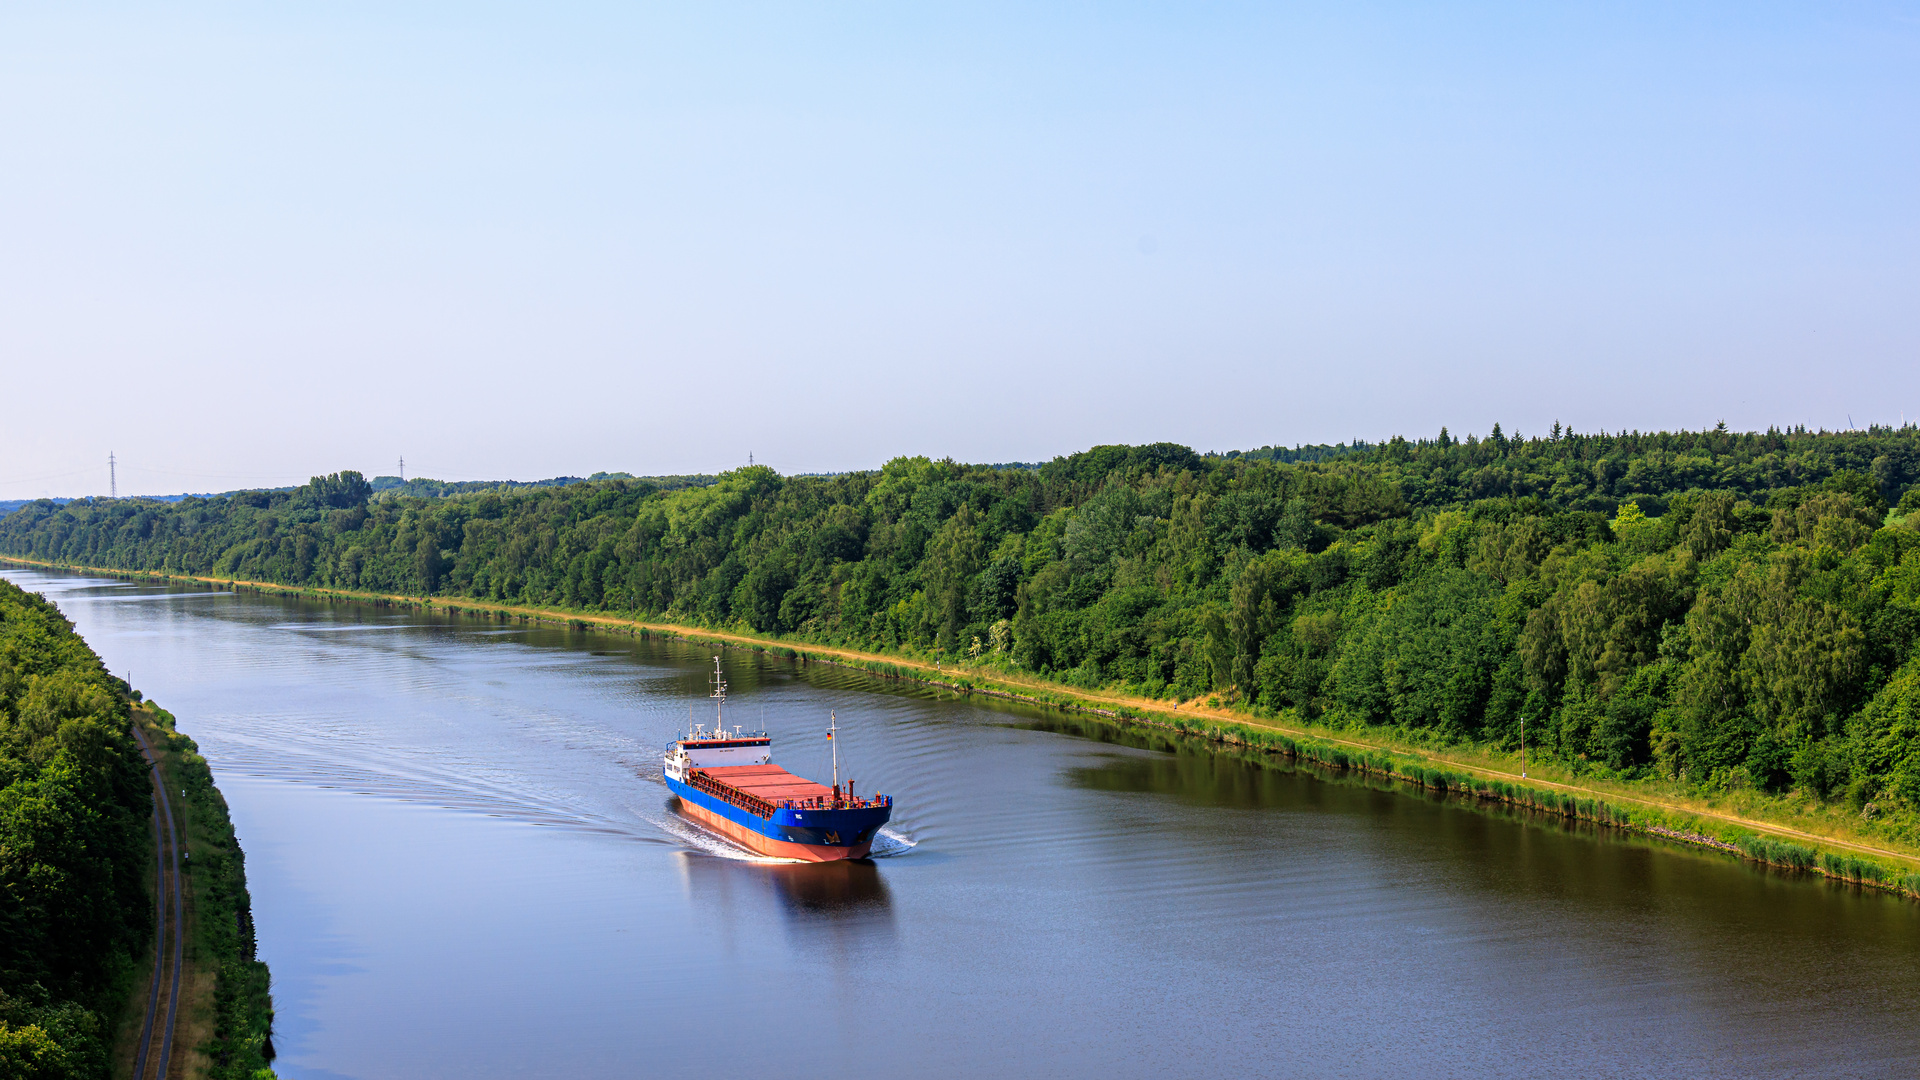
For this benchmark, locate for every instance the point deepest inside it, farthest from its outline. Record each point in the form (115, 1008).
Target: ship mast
(719, 696)
(833, 724)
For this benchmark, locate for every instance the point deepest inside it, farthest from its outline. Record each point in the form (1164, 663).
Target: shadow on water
(1516, 853)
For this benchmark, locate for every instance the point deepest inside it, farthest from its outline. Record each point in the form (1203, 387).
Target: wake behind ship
(728, 783)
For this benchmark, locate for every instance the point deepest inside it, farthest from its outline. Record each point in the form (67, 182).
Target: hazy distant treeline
(1729, 608)
(426, 488)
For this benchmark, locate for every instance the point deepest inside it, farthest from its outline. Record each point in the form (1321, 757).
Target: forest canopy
(1727, 609)
(73, 828)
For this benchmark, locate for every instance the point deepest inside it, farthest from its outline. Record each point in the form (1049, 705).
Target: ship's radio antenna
(719, 694)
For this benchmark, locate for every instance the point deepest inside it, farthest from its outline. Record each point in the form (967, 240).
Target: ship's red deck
(769, 782)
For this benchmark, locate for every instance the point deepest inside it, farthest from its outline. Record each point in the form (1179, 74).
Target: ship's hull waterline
(767, 845)
(844, 833)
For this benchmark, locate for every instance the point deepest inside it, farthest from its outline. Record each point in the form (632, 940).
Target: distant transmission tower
(113, 477)
(403, 469)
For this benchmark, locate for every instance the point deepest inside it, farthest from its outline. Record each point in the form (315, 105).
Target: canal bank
(1819, 842)
(207, 1010)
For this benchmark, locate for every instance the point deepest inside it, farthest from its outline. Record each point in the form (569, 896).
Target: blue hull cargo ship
(729, 783)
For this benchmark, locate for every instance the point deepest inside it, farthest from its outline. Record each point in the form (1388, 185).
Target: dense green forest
(74, 804)
(1726, 609)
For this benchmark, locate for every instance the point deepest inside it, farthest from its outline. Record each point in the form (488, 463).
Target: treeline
(1319, 452)
(1730, 609)
(74, 804)
(426, 488)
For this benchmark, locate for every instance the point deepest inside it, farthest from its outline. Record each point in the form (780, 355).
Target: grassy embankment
(1785, 831)
(225, 1012)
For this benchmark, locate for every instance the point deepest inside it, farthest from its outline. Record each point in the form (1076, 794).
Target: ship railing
(760, 807)
(752, 804)
(827, 802)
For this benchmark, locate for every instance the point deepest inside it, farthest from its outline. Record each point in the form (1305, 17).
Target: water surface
(464, 864)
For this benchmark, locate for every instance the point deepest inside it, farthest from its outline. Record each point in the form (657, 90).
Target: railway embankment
(223, 1010)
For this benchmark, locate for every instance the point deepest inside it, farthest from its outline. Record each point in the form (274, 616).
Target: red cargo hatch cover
(769, 782)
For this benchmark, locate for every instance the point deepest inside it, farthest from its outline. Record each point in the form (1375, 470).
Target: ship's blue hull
(812, 835)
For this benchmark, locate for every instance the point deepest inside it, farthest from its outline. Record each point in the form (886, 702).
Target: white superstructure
(701, 749)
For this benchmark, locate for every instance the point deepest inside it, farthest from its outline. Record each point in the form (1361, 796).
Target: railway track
(155, 1054)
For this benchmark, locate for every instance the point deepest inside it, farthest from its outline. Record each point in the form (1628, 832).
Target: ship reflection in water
(847, 896)
(850, 887)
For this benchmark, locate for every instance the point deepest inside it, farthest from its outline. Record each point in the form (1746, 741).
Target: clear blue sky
(243, 243)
